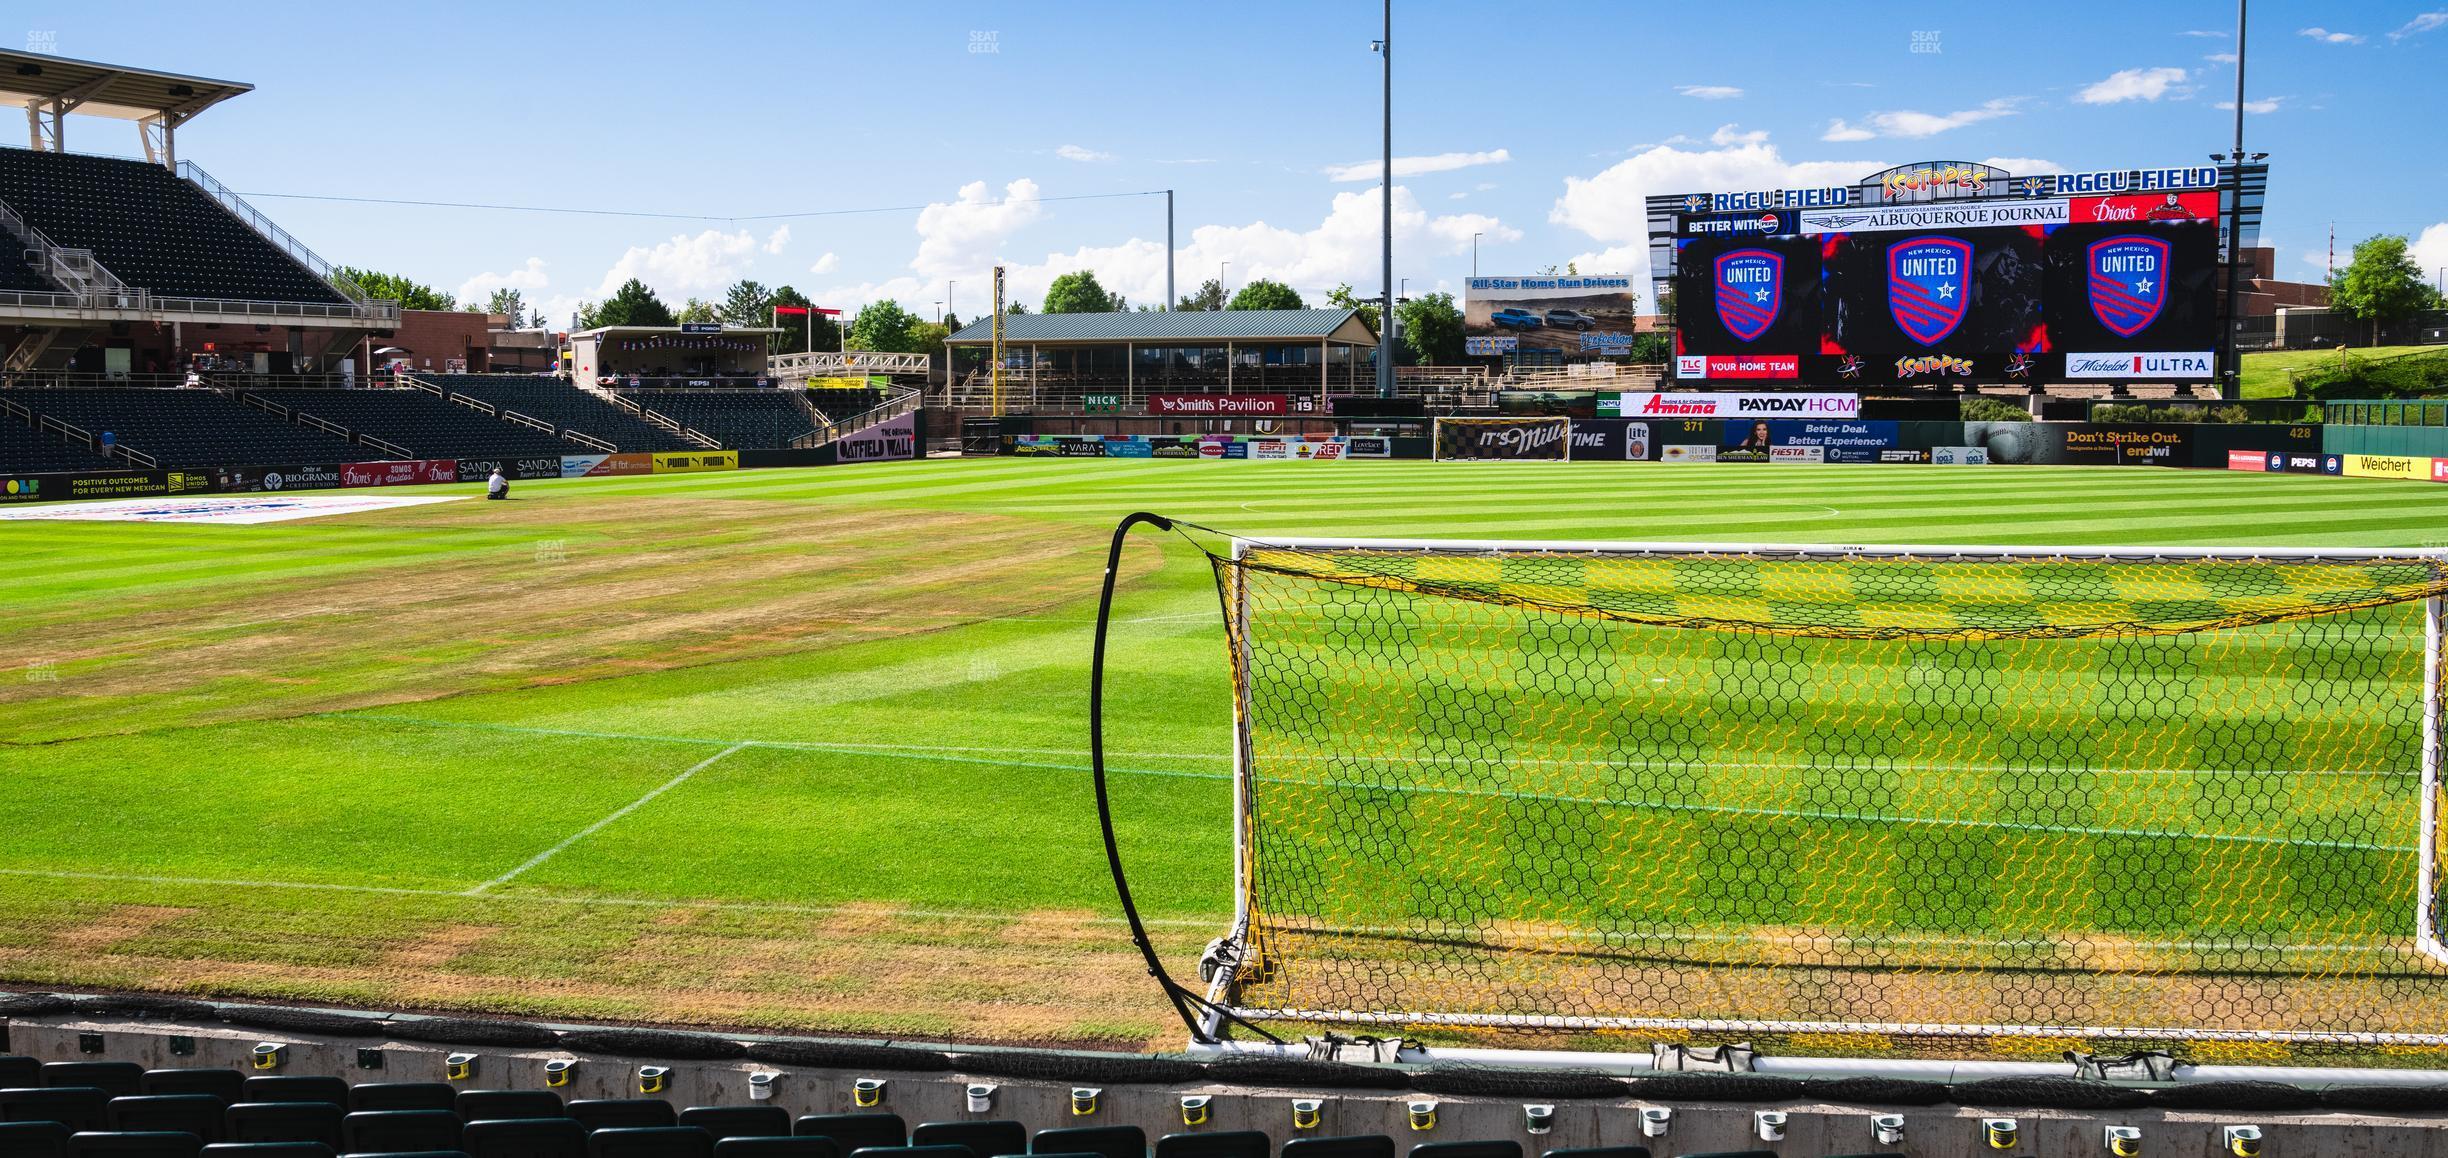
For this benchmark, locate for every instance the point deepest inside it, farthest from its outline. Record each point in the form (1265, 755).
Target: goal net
(1955, 792)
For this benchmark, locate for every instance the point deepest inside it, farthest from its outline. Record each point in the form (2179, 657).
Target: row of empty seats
(25, 450)
(17, 273)
(564, 405)
(152, 228)
(189, 428)
(426, 426)
(840, 402)
(735, 418)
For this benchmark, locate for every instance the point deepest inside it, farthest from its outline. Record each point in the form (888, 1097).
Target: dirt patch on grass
(121, 924)
(438, 947)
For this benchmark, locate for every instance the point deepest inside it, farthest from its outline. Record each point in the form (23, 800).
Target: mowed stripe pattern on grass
(1004, 831)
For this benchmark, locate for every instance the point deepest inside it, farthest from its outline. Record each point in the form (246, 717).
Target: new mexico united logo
(2128, 279)
(1929, 280)
(1750, 290)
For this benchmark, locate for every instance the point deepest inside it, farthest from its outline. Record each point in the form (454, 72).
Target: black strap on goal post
(1184, 1001)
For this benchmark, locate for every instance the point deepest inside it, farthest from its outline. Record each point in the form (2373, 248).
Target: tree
(1210, 296)
(1266, 294)
(746, 303)
(811, 331)
(508, 302)
(697, 311)
(2381, 284)
(1077, 292)
(1014, 309)
(391, 287)
(1431, 329)
(951, 322)
(1342, 299)
(885, 328)
(631, 305)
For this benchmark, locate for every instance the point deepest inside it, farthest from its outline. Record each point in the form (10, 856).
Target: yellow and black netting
(1580, 788)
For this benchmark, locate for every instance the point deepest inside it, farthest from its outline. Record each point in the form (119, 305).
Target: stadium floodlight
(1887, 1128)
(1656, 1121)
(868, 1093)
(1769, 1124)
(761, 1085)
(981, 1097)
(2241, 1141)
(1876, 774)
(1538, 1118)
(558, 1070)
(270, 1055)
(2000, 1133)
(1423, 1114)
(2122, 1141)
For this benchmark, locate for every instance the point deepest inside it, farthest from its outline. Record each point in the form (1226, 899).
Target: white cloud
(1078, 153)
(826, 264)
(2023, 166)
(2430, 250)
(526, 279)
(1611, 208)
(2205, 33)
(1709, 92)
(2259, 105)
(2327, 37)
(1414, 166)
(1913, 125)
(1840, 131)
(685, 266)
(2135, 84)
(963, 235)
(1343, 247)
(2221, 58)
(1728, 135)
(2425, 22)
(777, 239)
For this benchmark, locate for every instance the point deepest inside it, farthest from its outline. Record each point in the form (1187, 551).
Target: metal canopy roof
(1153, 327)
(108, 90)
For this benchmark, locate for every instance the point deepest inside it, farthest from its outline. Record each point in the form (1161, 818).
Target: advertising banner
(1936, 215)
(101, 484)
(1217, 405)
(1369, 446)
(2252, 460)
(1574, 313)
(1610, 440)
(2081, 444)
(600, 465)
(1806, 440)
(1737, 367)
(892, 440)
(401, 472)
(1959, 456)
(1728, 406)
(1797, 454)
(692, 461)
(480, 469)
(1522, 439)
(277, 478)
(2294, 462)
(2439, 470)
(1129, 448)
(1677, 452)
(2387, 466)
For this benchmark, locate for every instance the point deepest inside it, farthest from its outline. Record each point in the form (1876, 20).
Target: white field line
(599, 825)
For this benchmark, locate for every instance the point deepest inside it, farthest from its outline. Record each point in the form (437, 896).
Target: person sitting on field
(497, 487)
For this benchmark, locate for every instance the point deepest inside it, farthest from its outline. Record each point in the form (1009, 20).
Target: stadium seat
(403, 1096)
(190, 429)
(399, 1131)
(650, 1142)
(268, 1150)
(139, 1144)
(1345, 1146)
(1104, 1141)
(34, 1140)
(283, 1122)
(1878, 1154)
(986, 1139)
(1222, 1144)
(408, 1154)
(1599, 1152)
(1732, 1154)
(76, 1107)
(810, 1146)
(915, 1152)
(739, 1121)
(296, 1089)
(854, 1132)
(736, 418)
(1467, 1150)
(197, 1114)
(427, 426)
(563, 404)
(118, 1079)
(525, 1138)
(623, 1113)
(19, 1073)
(499, 1105)
(223, 1084)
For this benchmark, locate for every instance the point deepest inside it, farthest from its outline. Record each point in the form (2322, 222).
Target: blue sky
(1537, 126)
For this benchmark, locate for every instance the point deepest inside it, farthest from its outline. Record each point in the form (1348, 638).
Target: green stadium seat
(296, 1089)
(1222, 1144)
(650, 1142)
(226, 1085)
(34, 1140)
(855, 1132)
(1103, 1141)
(268, 1150)
(764, 1146)
(19, 1073)
(1345, 1146)
(197, 1114)
(525, 1138)
(399, 1131)
(986, 1139)
(1467, 1150)
(283, 1122)
(739, 1121)
(623, 1113)
(498, 1105)
(76, 1107)
(144, 1144)
(118, 1079)
(403, 1096)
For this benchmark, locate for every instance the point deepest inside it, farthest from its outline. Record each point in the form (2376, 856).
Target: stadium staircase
(591, 418)
(876, 406)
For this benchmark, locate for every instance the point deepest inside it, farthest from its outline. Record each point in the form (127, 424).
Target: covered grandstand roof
(108, 90)
(1166, 326)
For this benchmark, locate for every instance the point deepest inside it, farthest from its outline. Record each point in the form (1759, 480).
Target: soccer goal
(1959, 792)
(1532, 439)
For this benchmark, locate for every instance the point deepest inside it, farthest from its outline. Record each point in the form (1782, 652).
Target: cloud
(2205, 33)
(826, 264)
(2023, 166)
(2327, 37)
(2425, 22)
(2430, 249)
(1610, 207)
(777, 239)
(1709, 92)
(2259, 105)
(2221, 58)
(1733, 135)
(1342, 247)
(526, 279)
(963, 235)
(1910, 124)
(1415, 166)
(2136, 84)
(1085, 155)
(685, 266)
(1189, 161)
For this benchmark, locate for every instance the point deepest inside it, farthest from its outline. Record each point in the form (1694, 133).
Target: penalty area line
(600, 825)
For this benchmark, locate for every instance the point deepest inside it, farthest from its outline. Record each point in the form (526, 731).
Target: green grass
(314, 760)
(2270, 373)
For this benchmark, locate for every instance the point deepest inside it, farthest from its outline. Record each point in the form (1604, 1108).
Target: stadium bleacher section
(843, 402)
(152, 228)
(16, 274)
(737, 418)
(562, 404)
(425, 425)
(189, 428)
(25, 450)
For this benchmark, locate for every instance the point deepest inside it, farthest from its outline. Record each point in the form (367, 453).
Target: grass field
(799, 749)
(2270, 373)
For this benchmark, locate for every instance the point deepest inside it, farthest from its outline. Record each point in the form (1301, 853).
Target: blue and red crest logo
(2128, 277)
(1750, 291)
(1929, 284)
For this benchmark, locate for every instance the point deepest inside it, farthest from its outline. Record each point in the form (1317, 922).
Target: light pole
(1474, 255)
(1220, 268)
(1385, 203)
(939, 313)
(2229, 376)
(948, 284)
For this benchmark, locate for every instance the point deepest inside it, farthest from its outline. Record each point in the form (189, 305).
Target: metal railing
(822, 363)
(891, 408)
(271, 231)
